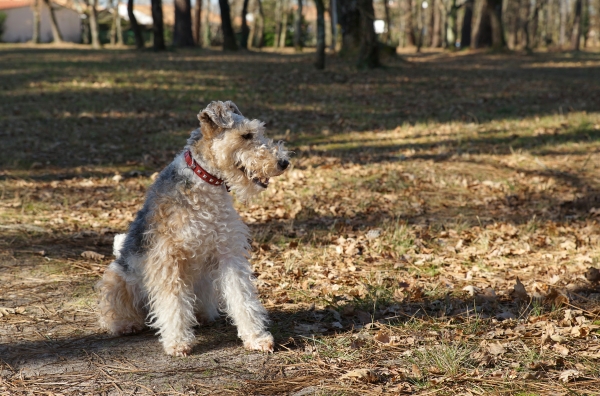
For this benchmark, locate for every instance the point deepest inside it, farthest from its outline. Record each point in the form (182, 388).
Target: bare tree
(465, 31)
(198, 23)
(349, 20)
(451, 25)
(407, 15)
(228, 36)
(35, 8)
(259, 26)
(334, 21)
(576, 35)
(388, 23)
(137, 31)
(116, 34)
(206, 25)
(298, 26)
(56, 36)
(94, 28)
(487, 27)
(320, 61)
(437, 24)
(284, 21)
(158, 30)
(368, 55)
(245, 28)
(182, 31)
(278, 18)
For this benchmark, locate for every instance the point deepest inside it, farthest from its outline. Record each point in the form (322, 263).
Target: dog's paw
(263, 342)
(127, 329)
(178, 349)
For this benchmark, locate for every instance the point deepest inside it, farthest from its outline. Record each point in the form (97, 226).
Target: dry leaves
(91, 255)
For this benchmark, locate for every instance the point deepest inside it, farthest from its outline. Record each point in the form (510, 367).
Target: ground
(438, 233)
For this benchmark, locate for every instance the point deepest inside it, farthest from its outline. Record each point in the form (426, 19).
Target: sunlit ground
(388, 256)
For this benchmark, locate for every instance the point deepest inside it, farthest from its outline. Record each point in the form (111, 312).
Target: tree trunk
(229, 43)
(206, 25)
(409, 32)
(437, 24)
(420, 26)
(465, 31)
(320, 61)
(562, 37)
(451, 25)
(349, 20)
(385, 37)
(596, 23)
(334, 21)
(198, 23)
(487, 29)
(260, 26)
(56, 36)
(510, 17)
(113, 24)
(495, 13)
(35, 8)
(245, 28)
(531, 25)
(429, 17)
(368, 55)
(576, 35)
(298, 26)
(278, 18)
(137, 31)
(94, 28)
(158, 26)
(284, 9)
(182, 31)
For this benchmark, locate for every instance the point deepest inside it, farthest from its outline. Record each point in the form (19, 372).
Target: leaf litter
(397, 256)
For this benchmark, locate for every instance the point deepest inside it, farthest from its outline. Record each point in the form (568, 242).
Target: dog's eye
(248, 136)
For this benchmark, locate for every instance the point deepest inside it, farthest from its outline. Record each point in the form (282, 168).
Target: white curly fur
(185, 257)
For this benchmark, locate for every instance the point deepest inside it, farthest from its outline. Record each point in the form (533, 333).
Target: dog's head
(236, 149)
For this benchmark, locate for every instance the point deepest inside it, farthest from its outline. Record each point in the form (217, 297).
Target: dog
(184, 259)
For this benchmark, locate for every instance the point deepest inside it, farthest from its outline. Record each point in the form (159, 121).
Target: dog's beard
(262, 182)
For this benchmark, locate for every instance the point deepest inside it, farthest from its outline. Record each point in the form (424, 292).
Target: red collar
(202, 174)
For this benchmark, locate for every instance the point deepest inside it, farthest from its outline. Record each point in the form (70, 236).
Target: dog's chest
(213, 224)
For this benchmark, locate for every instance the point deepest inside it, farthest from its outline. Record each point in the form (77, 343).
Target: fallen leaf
(563, 350)
(382, 337)
(569, 375)
(91, 255)
(416, 371)
(496, 349)
(365, 375)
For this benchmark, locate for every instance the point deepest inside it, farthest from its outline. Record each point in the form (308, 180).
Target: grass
(444, 359)
(418, 194)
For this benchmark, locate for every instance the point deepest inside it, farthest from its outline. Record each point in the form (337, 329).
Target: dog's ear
(233, 107)
(216, 115)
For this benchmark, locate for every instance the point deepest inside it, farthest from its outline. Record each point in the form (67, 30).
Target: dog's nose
(283, 164)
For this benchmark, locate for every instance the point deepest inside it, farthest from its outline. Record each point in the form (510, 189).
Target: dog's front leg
(242, 303)
(171, 299)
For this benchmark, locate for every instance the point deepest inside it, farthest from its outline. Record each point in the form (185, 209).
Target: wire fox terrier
(185, 256)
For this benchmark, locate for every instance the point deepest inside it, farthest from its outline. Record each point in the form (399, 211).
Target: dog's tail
(118, 244)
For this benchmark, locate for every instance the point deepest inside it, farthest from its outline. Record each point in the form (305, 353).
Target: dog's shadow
(218, 338)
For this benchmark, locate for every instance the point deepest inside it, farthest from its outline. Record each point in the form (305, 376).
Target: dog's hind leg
(119, 303)
(242, 304)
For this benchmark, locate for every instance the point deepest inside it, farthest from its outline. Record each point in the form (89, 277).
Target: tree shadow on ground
(167, 90)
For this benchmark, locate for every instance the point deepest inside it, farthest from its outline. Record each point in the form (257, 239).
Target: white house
(18, 26)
